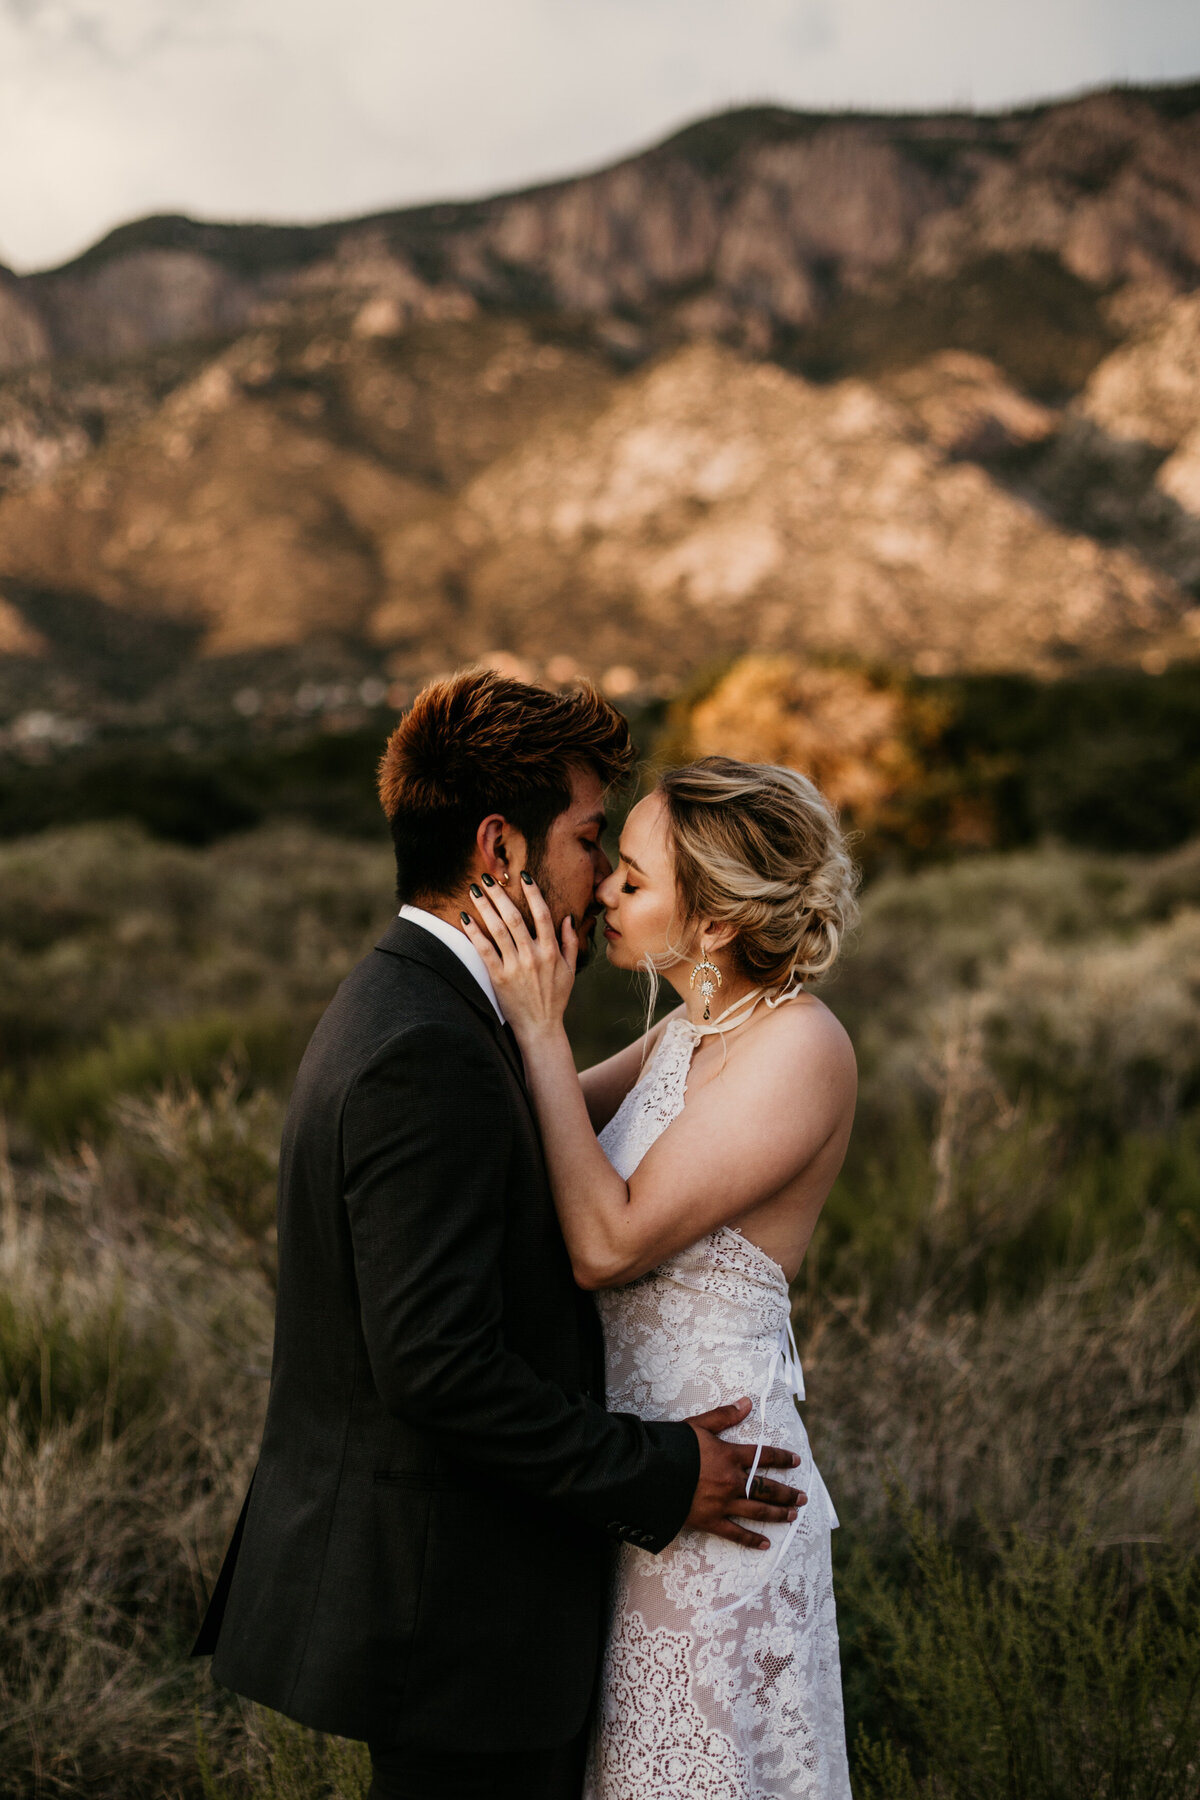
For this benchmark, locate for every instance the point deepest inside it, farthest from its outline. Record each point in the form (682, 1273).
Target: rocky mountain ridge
(760, 226)
(732, 395)
(473, 485)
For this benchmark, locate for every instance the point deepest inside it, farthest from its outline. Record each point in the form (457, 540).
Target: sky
(315, 109)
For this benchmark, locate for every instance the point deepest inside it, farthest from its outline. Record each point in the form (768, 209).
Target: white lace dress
(721, 1679)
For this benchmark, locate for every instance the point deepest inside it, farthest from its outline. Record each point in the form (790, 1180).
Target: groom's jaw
(587, 925)
(586, 937)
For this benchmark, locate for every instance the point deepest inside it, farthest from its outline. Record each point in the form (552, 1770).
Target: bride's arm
(759, 1126)
(713, 1164)
(533, 977)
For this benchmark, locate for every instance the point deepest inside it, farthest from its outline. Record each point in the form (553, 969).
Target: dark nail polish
(465, 917)
(526, 877)
(488, 882)
(477, 890)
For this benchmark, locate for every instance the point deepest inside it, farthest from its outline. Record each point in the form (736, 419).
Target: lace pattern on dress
(721, 1678)
(650, 1106)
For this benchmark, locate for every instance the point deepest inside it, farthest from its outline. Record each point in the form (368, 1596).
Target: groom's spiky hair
(480, 743)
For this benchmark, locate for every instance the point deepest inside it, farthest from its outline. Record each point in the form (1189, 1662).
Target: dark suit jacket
(424, 1549)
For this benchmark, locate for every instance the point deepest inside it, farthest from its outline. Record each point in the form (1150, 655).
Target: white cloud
(299, 109)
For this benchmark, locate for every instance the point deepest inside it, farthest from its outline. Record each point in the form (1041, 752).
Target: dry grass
(999, 1313)
(1082, 1404)
(133, 1353)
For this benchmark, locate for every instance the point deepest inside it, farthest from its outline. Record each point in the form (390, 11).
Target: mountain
(918, 390)
(831, 236)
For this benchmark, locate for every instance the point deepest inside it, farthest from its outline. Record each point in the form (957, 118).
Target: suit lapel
(403, 938)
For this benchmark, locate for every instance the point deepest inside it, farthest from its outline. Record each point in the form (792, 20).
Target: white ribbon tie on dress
(785, 1362)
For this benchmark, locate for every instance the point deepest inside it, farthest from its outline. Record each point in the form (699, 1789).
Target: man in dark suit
(423, 1555)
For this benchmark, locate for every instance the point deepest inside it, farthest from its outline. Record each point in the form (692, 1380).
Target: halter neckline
(745, 1006)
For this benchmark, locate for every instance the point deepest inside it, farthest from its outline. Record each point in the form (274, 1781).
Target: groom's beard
(559, 910)
(587, 939)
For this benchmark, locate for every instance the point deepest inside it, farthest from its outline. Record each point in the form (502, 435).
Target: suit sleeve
(424, 1155)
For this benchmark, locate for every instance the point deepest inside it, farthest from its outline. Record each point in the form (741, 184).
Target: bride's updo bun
(759, 847)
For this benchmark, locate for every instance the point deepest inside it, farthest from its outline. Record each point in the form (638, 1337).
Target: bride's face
(641, 904)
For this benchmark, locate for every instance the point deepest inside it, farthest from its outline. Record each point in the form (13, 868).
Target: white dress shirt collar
(457, 942)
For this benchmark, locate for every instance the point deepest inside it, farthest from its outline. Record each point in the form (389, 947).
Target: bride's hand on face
(531, 972)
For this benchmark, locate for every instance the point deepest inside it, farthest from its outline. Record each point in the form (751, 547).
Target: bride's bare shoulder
(800, 1031)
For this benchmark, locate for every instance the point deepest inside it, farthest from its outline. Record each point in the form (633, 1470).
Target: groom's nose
(603, 867)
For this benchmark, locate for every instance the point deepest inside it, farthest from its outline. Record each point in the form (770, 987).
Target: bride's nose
(606, 890)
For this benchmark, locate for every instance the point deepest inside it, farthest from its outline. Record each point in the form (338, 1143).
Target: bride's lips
(610, 933)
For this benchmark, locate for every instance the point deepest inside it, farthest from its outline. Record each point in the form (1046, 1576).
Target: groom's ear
(489, 840)
(500, 848)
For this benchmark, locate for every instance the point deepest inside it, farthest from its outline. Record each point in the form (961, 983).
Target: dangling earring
(703, 972)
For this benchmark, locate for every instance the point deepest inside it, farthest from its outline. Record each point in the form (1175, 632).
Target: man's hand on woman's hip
(721, 1499)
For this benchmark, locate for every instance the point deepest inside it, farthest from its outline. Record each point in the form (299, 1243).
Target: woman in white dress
(688, 1172)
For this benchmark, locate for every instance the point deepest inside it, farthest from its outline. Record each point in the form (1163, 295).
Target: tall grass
(1000, 1314)
(132, 1364)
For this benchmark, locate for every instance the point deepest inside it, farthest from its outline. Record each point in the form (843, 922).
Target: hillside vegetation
(998, 1316)
(923, 767)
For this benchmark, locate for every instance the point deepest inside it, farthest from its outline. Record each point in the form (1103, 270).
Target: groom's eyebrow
(600, 819)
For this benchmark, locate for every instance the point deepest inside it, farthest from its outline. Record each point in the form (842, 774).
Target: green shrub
(102, 929)
(1039, 1669)
(1021, 1202)
(78, 1094)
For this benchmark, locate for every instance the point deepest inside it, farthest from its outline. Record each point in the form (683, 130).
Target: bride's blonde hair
(759, 847)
